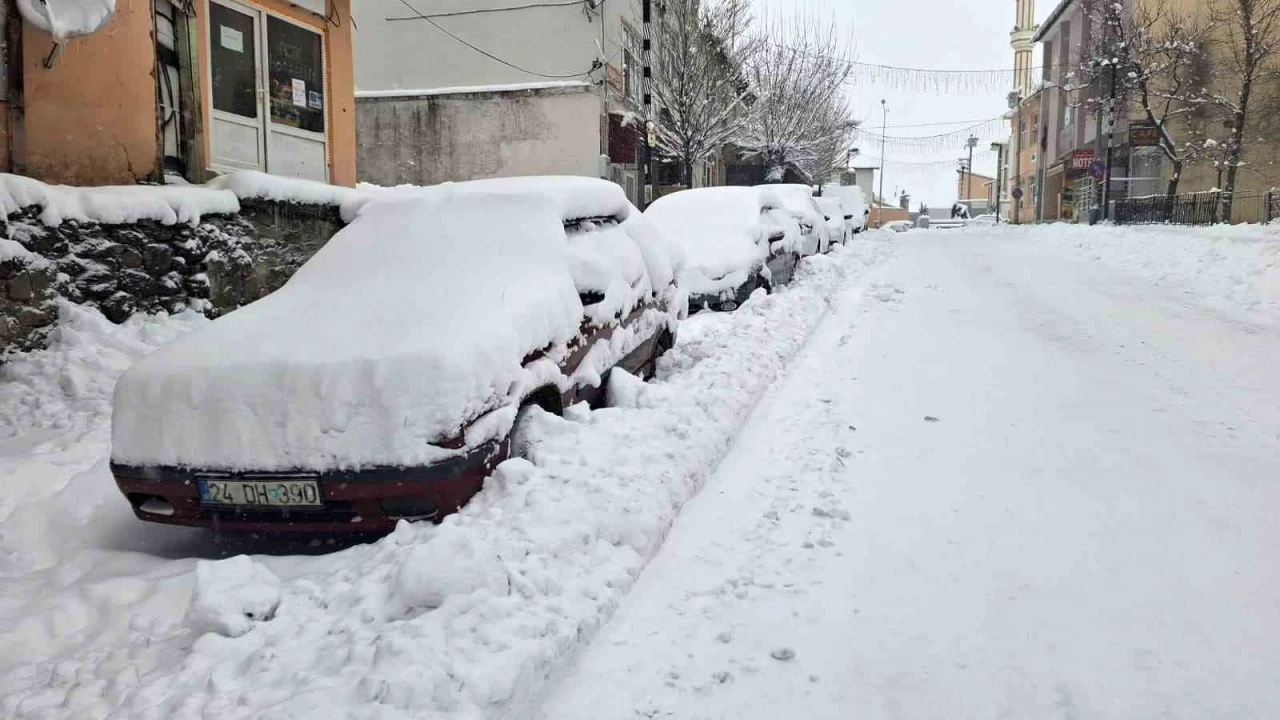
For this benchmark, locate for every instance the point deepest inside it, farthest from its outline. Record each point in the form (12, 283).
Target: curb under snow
(467, 619)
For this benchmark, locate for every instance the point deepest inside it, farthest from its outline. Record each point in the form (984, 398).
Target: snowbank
(114, 205)
(1233, 269)
(70, 384)
(467, 619)
(248, 184)
(231, 595)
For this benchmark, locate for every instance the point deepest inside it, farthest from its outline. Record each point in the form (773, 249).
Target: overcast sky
(940, 34)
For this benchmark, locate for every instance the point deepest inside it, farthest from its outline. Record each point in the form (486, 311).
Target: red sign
(1082, 159)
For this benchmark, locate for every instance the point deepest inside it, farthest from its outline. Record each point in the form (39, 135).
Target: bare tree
(699, 80)
(1149, 59)
(799, 112)
(1250, 36)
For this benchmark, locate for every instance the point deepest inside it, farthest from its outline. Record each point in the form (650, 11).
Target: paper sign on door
(299, 92)
(231, 38)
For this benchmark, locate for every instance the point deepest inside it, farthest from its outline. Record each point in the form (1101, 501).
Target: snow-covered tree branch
(1146, 59)
(801, 117)
(699, 78)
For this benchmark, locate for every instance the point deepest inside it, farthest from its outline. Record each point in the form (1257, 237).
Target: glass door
(295, 73)
(268, 93)
(237, 132)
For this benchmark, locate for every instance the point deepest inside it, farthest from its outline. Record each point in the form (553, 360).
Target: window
(295, 71)
(631, 70)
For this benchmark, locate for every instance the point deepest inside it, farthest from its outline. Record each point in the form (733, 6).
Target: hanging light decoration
(920, 145)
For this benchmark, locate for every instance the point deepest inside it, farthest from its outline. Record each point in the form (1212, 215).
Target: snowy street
(995, 472)
(1087, 530)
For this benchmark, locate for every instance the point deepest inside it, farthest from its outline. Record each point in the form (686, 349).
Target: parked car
(838, 227)
(383, 381)
(734, 239)
(854, 202)
(798, 200)
(984, 219)
(898, 225)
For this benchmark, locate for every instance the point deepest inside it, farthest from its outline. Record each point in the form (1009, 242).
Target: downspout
(14, 89)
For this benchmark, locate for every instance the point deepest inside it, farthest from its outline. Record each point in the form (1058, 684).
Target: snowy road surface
(999, 482)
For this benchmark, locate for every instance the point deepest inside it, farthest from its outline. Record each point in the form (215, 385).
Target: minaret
(1024, 28)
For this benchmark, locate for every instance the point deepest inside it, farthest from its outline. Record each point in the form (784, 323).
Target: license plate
(260, 493)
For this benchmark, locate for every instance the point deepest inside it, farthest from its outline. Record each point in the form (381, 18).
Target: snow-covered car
(854, 202)
(798, 200)
(898, 225)
(984, 219)
(383, 381)
(839, 228)
(734, 240)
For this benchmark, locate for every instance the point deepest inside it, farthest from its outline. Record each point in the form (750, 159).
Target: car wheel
(649, 370)
(762, 284)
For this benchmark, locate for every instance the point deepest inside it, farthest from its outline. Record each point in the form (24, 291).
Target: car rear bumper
(361, 501)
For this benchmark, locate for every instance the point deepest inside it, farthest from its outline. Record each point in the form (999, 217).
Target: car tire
(661, 345)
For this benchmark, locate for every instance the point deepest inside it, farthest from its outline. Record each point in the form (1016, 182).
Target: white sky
(935, 34)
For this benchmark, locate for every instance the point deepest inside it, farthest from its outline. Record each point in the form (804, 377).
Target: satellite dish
(64, 19)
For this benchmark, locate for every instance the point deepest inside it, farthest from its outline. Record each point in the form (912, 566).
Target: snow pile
(231, 595)
(251, 184)
(470, 279)
(114, 205)
(14, 250)
(722, 232)
(67, 18)
(70, 383)
(1233, 269)
(467, 619)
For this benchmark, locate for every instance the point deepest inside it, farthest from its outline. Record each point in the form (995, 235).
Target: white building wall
(396, 50)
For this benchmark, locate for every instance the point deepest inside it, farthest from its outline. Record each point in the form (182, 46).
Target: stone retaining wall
(217, 266)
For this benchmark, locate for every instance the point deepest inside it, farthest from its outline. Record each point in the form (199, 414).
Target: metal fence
(1196, 209)
(1206, 208)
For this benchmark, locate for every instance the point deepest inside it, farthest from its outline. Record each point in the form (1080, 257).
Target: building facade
(481, 88)
(187, 89)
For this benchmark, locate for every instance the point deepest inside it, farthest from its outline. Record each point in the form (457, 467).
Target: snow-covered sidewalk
(1003, 480)
(461, 620)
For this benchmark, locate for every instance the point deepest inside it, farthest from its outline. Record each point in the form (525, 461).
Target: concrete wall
(428, 140)
(91, 118)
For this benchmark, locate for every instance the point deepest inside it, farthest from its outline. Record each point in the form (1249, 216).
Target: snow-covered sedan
(383, 381)
(839, 227)
(854, 202)
(734, 240)
(799, 201)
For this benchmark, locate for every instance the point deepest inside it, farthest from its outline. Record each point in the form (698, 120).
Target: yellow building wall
(91, 118)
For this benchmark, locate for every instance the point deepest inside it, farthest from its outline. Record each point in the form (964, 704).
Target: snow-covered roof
(411, 322)
(468, 89)
(114, 205)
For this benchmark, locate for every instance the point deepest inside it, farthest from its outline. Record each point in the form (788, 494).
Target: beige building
(1071, 145)
(489, 88)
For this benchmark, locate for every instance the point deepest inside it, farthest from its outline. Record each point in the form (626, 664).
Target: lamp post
(1015, 101)
(999, 148)
(884, 125)
(972, 143)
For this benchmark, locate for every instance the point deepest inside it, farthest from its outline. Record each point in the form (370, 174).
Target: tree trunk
(1171, 192)
(1235, 151)
(688, 174)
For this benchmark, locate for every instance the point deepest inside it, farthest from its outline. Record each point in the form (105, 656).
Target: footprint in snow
(783, 654)
(930, 418)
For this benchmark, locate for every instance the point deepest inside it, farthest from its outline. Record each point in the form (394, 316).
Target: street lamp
(972, 143)
(884, 125)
